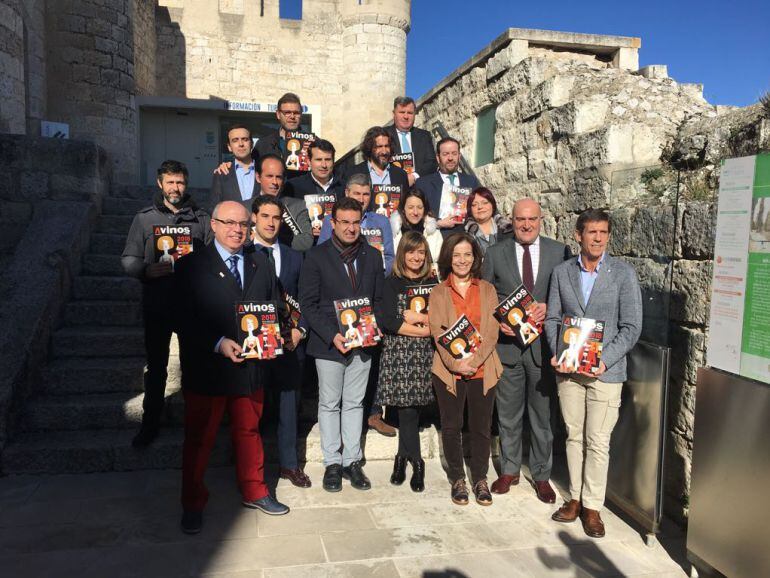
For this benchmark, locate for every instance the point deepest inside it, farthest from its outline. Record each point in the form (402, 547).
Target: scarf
(348, 255)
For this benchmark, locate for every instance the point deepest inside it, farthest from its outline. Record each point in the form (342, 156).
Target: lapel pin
(221, 274)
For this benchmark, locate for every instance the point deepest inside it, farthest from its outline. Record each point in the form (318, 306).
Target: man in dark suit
(344, 267)
(239, 182)
(283, 375)
(407, 138)
(377, 148)
(526, 382)
(209, 284)
(437, 186)
(289, 114)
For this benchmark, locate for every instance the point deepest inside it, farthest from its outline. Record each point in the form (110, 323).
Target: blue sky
(723, 45)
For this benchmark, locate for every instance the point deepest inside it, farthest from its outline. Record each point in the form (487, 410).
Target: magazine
(171, 242)
(259, 332)
(386, 199)
(374, 237)
(461, 340)
(318, 206)
(512, 311)
(356, 321)
(294, 313)
(404, 161)
(580, 344)
(454, 204)
(416, 297)
(297, 145)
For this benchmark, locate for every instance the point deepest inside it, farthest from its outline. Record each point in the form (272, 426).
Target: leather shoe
(375, 422)
(592, 523)
(569, 512)
(145, 436)
(460, 493)
(545, 492)
(192, 522)
(332, 481)
(481, 491)
(268, 505)
(355, 473)
(296, 477)
(502, 484)
(399, 471)
(417, 483)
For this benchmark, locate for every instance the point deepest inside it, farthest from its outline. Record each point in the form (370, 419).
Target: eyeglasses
(291, 112)
(230, 224)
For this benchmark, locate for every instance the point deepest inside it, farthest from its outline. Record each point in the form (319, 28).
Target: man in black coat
(437, 186)
(377, 148)
(209, 285)
(342, 268)
(238, 183)
(289, 114)
(171, 206)
(407, 138)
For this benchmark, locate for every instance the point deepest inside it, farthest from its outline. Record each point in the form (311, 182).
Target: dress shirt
(317, 182)
(245, 178)
(376, 178)
(534, 252)
(225, 254)
(261, 245)
(588, 278)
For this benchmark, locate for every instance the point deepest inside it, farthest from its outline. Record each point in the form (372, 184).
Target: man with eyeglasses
(526, 383)
(209, 285)
(289, 114)
(342, 268)
(170, 206)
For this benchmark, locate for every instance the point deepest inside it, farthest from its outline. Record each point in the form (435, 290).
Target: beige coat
(441, 317)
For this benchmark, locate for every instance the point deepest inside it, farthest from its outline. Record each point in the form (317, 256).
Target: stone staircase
(89, 404)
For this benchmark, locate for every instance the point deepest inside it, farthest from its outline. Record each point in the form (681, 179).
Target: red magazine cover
(461, 340)
(259, 331)
(580, 344)
(512, 311)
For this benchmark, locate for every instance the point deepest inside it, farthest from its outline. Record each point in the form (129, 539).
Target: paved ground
(126, 524)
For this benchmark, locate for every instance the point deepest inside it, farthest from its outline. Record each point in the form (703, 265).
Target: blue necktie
(405, 148)
(233, 264)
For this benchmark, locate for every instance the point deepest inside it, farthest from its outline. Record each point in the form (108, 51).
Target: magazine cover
(454, 204)
(386, 199)
(294, 313)
(461, 340)
(171, 242)
(291, 222)
(404, 161)
(374, 238)
(416, 297)
(259, 332)
(512, 311)
(356, 321)
(318, 206)
(297, 144)
(580, 344)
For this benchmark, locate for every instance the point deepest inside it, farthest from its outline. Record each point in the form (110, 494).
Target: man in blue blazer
(284, 374)
(597, 286)
(343, 267)
(437, 185)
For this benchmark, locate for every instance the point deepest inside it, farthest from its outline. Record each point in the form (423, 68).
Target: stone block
(656, 71)
(691, 289)
(33, 185)
(508, 57)
(698, 229)
(688, 353)
(645, 231)
(626, 59)
(552, 93)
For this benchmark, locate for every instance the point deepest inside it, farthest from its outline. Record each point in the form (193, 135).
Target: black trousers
(480, 408)
(409, 432)
(158, 327)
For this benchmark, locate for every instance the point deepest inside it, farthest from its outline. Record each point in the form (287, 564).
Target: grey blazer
(501, 268)
(616, 299)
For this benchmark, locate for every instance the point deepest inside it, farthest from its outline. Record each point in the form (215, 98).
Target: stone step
(108, 243)
(123, 205)
(98, 342)
(114, 224)
(95, 375)
(107, 288)
(102, 265)
(110, 450)
(123, 313)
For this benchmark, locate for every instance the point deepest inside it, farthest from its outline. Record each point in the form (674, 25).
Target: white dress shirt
(534, 252)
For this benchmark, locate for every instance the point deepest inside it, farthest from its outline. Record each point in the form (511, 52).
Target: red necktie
(527, 275)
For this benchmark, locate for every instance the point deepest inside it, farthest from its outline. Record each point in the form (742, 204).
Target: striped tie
(233, 264)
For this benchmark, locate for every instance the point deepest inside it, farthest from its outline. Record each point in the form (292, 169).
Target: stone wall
(12, 93)
(145, 47)
(33, 13)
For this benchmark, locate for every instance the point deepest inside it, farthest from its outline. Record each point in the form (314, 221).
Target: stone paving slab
(127, 524)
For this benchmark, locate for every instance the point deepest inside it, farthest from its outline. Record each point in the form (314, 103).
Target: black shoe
(192, 522)
(332, 481)
(147, 434)
(460, 493)
(356, 475)
(417, 483)
(481, 491)
(399, 471)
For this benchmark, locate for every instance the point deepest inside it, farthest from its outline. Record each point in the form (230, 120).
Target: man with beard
(377, 149)
(171, 206)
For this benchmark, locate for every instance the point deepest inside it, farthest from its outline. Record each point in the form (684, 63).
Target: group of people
(258, 245)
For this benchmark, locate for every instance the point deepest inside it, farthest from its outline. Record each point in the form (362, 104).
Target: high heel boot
(417, 482)
(399, 470)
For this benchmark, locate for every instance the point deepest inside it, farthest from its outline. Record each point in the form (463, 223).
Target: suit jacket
(205, 312)
(302, 238)
(423, 149)
(443, 315)
(615, 299)
(432, 184)
(225, 188)
(323, 280)
(397, 177)
(305, 185)
(501, 268)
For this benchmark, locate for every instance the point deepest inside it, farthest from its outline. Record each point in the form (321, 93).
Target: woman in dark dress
(407, 354)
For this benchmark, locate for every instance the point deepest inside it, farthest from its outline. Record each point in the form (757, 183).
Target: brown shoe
(569, 512)
(460, 493)
(545, 492)
(376, 423)
(296, 477)
(502, 484)
(592, 523)
(481, 491)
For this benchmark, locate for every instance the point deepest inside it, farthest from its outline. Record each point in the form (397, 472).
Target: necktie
(405, 148)
(527, 275)
(269, 251)
(451, 178)
(233, 264)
